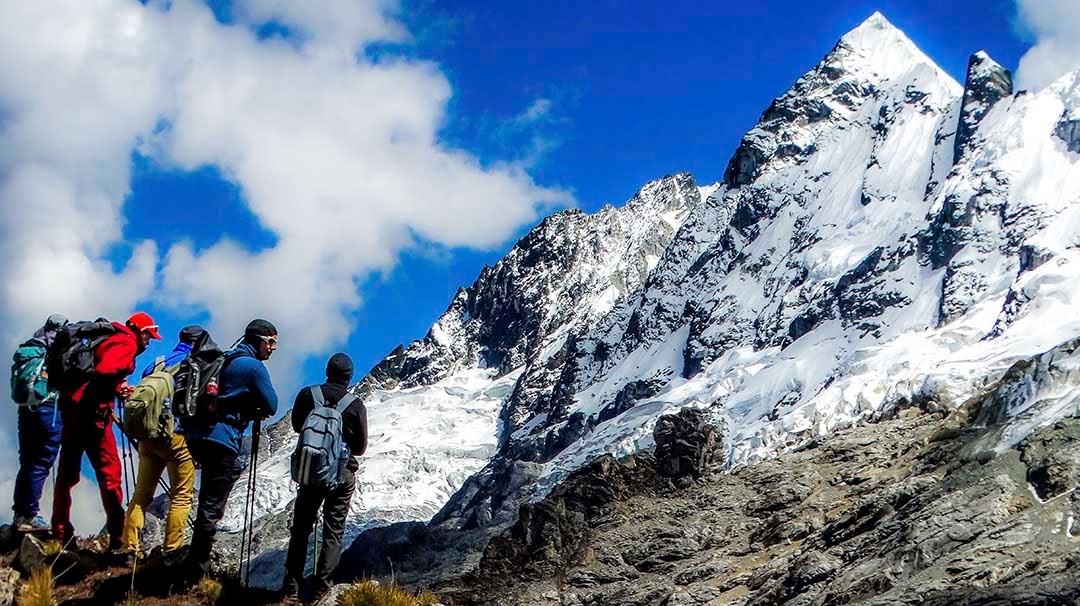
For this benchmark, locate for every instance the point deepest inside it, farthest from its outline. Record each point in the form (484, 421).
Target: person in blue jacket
(245, 393)
(39, 425)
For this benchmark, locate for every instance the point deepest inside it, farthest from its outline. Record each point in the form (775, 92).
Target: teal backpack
(29, 379)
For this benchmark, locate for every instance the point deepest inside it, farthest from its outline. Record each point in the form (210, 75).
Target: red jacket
(114, 360)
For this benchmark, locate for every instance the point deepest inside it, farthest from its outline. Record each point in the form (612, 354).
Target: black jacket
(353, 418)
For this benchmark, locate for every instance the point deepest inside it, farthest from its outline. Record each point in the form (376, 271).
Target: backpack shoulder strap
(317, 396)
(159, 364)
(345, 401)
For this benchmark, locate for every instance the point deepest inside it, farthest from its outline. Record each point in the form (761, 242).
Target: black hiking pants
(335, 508)
(219, 473)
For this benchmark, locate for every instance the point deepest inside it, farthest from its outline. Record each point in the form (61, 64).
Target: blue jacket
(245, 393)
(176, 356)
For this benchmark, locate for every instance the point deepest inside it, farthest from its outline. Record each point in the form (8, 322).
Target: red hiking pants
(88, 430)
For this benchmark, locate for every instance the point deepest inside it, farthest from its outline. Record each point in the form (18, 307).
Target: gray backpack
(321, 452)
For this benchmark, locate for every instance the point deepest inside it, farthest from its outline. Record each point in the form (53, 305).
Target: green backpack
(29, 382)
(148, 410)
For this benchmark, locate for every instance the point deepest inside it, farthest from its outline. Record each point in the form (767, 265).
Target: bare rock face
(686, 444)
(1052, 456)
(888, 513)
(1068, 130)
(987, 83)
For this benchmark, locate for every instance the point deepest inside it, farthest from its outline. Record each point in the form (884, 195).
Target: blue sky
(633, 91)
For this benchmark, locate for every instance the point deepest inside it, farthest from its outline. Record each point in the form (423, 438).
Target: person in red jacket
(87, 414)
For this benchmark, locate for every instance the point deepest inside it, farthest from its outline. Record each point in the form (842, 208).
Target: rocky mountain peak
(987, 83)
(868, 76)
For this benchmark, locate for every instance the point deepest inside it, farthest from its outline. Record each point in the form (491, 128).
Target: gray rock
(1052, 456)
(9, 584)
(987, 83)
(686, 445)
(1068, 130)
(32, 554)
(330, 598)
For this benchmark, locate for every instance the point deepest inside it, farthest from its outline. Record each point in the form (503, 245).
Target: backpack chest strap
(320, 400)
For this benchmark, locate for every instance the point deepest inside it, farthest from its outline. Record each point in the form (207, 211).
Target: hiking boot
(27, 524)
(290, 588)
(123, 557)
(173, 558)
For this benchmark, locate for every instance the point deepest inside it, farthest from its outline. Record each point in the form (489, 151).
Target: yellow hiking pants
(156, 456)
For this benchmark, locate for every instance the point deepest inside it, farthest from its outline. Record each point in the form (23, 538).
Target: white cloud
(338, 25)
(1056, 27)
(338, 157)
(538, 110)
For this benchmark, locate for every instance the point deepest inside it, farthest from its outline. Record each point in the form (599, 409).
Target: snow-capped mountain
(883, 235)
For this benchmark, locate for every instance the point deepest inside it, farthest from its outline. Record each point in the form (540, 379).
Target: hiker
(161, 447)
(86, 409)
(245, 393)
(39, 425)
(332, 497)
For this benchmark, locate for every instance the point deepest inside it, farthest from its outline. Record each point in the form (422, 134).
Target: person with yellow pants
(160, 455)
(155, 457)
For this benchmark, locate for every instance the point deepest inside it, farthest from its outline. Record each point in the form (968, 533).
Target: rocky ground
(908, 510)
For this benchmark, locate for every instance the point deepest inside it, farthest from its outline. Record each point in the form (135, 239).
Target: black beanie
(259, 328)
(339, 367)
(189, 335)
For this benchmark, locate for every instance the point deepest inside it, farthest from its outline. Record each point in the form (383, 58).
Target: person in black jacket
(334, 502)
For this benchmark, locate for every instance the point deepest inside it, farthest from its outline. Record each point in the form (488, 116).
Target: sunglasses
(271, 341)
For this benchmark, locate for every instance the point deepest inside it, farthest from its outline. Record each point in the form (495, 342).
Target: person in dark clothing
(39, 431)
(334, 502)
(245, 394)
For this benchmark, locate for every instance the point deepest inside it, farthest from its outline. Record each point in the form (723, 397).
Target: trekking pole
(248, 534)
(125, 449)
(315, 546)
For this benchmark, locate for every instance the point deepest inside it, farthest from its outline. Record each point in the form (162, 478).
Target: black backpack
(198, 381)
(70, 361)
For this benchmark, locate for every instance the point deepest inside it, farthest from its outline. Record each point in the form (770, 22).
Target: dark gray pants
(220, 470)
(335, 508)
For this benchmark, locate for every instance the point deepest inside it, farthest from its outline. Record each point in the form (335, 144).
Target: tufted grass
(38, 590)
(370, 593)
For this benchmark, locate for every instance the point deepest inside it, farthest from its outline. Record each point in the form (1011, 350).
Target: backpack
(29, 380)
(320, 452)
(70, 361)
(148, 411)
(198, 381)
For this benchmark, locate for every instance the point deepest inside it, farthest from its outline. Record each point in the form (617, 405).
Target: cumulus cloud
(338, 156)
(1055, 25)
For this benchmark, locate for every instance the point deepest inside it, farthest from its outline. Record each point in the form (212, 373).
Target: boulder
(686, 444)
(32, 553)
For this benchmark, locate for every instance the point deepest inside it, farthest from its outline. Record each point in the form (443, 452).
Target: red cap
(144, 323)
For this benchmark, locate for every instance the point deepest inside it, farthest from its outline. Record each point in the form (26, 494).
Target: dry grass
(209, 589)
(38, 590)
(370, 593)
(52, 548)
